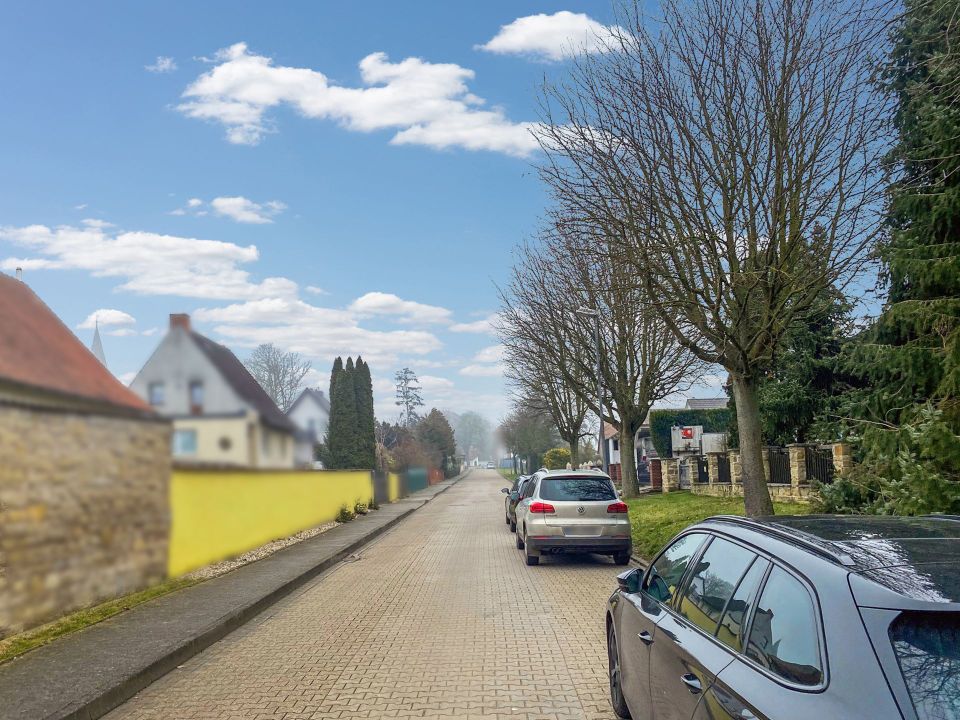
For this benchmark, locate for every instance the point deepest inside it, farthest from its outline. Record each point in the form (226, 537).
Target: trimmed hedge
(661, 421)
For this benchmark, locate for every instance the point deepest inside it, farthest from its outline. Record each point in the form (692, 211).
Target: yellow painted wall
(217, 514)
(393, 487)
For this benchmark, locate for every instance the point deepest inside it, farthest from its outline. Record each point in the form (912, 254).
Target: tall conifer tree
(366, 431)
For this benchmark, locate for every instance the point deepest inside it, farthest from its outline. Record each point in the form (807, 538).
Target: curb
(103, 701)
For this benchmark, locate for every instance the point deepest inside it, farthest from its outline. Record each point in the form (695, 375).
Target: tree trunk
(628, 464)
(756, 497)
(574, 453)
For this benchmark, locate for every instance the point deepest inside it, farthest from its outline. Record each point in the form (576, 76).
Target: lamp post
(586, 312)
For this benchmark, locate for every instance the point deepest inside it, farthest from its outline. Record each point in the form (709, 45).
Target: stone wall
(778, 493)
(84, 510)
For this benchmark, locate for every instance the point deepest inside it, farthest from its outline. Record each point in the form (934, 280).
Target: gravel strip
(225, 566)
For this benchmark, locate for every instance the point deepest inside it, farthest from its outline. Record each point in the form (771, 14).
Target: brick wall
(84, 510)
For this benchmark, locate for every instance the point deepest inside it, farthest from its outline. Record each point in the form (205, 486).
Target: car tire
(616, 691)
(513, 526)
(519, 538)
(622, 558)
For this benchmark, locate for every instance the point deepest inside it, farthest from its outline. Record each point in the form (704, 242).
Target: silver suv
(573, 511)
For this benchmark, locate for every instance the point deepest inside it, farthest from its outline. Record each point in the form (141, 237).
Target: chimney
(180, 320)
(20, 274)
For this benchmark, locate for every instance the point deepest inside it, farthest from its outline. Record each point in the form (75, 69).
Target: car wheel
(513, 526)
(519, 538)
(616, 691)
(621, 558)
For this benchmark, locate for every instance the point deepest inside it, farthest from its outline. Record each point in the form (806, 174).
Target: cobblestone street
(438, 618)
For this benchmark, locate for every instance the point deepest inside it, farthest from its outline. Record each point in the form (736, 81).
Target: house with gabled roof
(84, 472)
(221, 415)
(310, 412)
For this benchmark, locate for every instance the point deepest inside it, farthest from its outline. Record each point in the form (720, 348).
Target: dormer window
(196, 397)
(155, 393)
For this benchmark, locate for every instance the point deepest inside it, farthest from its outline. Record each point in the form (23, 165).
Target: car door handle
(692, 682)
(645, 637)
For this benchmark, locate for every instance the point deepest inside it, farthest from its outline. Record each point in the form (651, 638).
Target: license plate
(582, 531)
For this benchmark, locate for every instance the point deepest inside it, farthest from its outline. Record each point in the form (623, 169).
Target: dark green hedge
(716, 420)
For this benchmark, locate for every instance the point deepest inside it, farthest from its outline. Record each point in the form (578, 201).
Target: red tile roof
(39, 351)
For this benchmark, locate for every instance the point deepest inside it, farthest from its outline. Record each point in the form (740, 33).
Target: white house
(311, 414)
(220, 413)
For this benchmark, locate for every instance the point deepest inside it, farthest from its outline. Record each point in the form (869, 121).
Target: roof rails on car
(797, 537)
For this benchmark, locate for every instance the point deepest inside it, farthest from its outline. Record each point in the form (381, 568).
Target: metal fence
(819, 462)
(723, 468)
(703, 473)
(779, 459)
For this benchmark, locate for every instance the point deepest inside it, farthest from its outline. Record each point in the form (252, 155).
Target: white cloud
(81, 206)
(477, 326)
(379, 303)
(491, 354)
(147, 263)
(149, 332)
(127, 377)
(162, 65)
(425, 103)
(244, 210)
(122, 332)
(314, 331)
(315, 290)
(495, 370)
(237, 208)
(95, 223)
(551, 37)
(106, 317)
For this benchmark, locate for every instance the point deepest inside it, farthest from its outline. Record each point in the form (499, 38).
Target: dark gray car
(792, 618)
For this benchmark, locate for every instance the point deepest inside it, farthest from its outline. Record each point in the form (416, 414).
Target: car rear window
(577, 489)
(927, 646)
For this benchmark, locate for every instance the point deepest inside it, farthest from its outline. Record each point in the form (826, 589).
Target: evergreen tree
(342, 433)
(366, 421)
(910, 358)
(337, 368)
(436, 437)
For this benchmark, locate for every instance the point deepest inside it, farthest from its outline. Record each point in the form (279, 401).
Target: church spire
(96, 347)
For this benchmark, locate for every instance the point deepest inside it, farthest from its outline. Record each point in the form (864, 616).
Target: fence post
(713, 468)
(842, 458)
(798, 464)
(736, 470)
(656, 474)
(671, 474)
(765, 454)
(693, 469)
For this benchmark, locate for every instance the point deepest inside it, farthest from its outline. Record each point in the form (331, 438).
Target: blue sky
(337, 178)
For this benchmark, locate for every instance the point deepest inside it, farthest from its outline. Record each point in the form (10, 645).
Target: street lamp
(586, 312)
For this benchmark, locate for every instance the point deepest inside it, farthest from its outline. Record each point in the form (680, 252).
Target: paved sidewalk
(437, 618)
(86, 674)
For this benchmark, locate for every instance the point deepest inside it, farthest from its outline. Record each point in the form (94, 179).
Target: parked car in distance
(510, 501)
(572, 511)
(490, 466)
(792, 618)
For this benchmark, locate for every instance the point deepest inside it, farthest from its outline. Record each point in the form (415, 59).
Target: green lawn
(656, 518)
(509, 475)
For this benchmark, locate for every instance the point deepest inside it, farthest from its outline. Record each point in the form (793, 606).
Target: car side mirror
(505, 491)
(514, 496)
(629, 581)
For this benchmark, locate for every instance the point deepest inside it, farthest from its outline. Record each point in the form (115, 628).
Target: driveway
(438, 618)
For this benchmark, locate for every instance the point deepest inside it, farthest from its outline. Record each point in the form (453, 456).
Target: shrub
(360, 508)
(345, 514)
(556, 458)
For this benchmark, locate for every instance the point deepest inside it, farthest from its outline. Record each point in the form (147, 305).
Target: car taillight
(617, 507)
(541, 507)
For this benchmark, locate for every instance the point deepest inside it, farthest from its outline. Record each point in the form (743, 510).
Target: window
(526, 489)
(927, 646)
(730, 632)
(712, 583)
(196, 397)
(155, 393)
(667, 570)
(577, 489)
(184, 442)
(616, 445)
(783, 634)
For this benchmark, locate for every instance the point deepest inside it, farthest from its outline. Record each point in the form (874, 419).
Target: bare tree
(279, 373)
(731, 151)
(640, 361)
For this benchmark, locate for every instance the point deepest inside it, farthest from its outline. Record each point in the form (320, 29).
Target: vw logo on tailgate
(581, 510)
